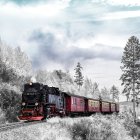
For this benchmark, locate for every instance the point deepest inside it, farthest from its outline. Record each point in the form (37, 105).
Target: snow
(81, 128)
(42, 131)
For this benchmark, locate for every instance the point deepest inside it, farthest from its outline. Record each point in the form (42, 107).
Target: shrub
(81, 129)
(10, 103)
(99, 127)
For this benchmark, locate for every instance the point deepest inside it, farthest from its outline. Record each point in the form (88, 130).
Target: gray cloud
(51, 49)
(77, 21)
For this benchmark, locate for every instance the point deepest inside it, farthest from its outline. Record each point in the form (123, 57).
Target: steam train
(41, 101)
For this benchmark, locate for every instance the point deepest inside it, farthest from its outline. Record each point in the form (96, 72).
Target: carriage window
(75, 101)
(94, 104)
(82, 103)
(72, 101)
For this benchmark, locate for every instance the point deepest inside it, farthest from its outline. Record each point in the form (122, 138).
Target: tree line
(130, 73)
(92, 89)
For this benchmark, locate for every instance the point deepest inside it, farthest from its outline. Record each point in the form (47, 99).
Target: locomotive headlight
(30, 83)
(36, 104)
(23, 104)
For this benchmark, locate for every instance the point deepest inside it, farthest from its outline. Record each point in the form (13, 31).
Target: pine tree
(78, 75)
(114, 93)
(131, 71)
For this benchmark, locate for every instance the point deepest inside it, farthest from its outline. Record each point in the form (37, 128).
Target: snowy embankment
(97, 127)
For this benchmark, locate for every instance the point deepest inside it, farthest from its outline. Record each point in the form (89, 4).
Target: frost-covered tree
(22, 63)
(90, 89)
(88, 86)
(10, 98)
(14, 65)
(105, 94)
(15, 70)
(114, 92)
(42, 76)
(78, 75)
(57, 78)
(131, 71)
(96, 91)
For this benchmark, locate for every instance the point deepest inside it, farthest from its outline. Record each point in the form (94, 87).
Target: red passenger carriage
(93, 105)
(113, 107)
(74, 104)
(105, 107)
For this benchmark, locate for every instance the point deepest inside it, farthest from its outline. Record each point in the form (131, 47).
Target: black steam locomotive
(40, 102)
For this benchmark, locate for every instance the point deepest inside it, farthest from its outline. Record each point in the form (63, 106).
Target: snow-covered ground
(97, 127)
(42, 131)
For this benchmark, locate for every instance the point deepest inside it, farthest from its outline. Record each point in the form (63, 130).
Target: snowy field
(97, 127)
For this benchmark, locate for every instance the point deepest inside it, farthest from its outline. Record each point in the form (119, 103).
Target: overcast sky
(56, 34)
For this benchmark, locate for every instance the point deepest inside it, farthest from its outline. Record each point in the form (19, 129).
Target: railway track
(17, 125)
